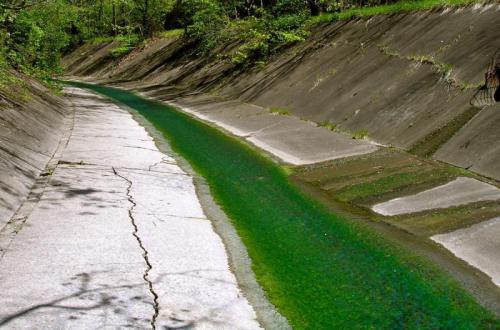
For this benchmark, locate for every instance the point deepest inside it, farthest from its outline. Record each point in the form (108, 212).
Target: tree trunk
(314, 8)
(145, 23)
(114, 17)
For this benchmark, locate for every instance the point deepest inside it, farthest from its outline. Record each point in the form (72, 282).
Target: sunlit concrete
(294, 141)
(117, 239)
(479, 245)
(460, 191)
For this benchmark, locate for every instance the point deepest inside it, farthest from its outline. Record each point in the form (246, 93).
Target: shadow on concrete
(101, 295)
(103, 299)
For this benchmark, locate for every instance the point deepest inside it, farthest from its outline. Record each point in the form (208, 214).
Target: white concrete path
(479, 245)
(117, 239)
(457, 192)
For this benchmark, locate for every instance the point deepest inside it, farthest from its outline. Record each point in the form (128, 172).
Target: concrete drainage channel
(151, 112)
(171, 269)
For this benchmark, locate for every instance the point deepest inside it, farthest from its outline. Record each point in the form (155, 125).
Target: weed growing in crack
(327, 124)
(280, 111)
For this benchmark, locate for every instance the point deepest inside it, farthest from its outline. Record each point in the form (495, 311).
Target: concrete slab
(303, 145)
(292, 140)
(479, 245)
(460, 191)
(117, 239)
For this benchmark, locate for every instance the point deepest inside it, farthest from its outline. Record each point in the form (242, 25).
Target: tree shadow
(84, 292)
(102, 298)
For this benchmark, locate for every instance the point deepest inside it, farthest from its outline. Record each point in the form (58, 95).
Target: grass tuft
(280, 111)
(360, 135)
(327, 124)
(171, 34)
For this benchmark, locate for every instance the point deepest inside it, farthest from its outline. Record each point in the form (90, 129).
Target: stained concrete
(477, 145)
(460, 191)
(117, 239)
(478, 245)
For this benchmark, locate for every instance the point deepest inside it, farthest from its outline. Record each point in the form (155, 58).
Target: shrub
(266, 35)
(125, 44)
(207, 22)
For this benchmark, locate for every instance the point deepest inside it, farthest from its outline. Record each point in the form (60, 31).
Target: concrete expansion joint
(145, 254)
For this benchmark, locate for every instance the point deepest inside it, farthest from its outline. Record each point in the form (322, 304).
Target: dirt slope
(404, 79)
(31, 122)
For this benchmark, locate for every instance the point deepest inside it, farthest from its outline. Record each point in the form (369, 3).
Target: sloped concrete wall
(477, 145)
(31, 121)
(399, 77)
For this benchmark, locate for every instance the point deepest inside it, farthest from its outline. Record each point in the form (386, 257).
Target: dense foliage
(34, 33)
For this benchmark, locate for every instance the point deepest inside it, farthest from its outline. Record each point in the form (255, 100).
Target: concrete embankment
(32, 124)
(290, 139)
(404, 79)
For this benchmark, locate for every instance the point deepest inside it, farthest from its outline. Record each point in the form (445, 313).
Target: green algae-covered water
(320, 271)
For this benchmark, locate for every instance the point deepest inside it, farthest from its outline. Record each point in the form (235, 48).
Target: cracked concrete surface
(145, 253)
(460, 191)
(116, 238)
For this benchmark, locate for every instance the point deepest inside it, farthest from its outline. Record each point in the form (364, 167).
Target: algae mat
(321, 271)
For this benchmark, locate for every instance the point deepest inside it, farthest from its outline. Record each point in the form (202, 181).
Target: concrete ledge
(294, 141)
(458, 192)
(478, 245)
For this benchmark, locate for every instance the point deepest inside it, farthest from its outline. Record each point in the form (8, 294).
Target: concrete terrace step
(460, 191)
(294, 141)
(478, 245)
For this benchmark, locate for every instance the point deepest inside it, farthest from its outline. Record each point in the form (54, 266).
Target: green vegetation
(392, 183)
(125, 44)
(6, 77)
(11, 84)
(327, 124)
(174, 33)
(31, 40)
(280, 111)
(320, 270)
(359, 135)
(401, 6)
(34, 34)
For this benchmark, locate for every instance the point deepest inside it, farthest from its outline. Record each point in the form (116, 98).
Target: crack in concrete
(163, 160)
(441, 68)
(145, 254)
(136, 147)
